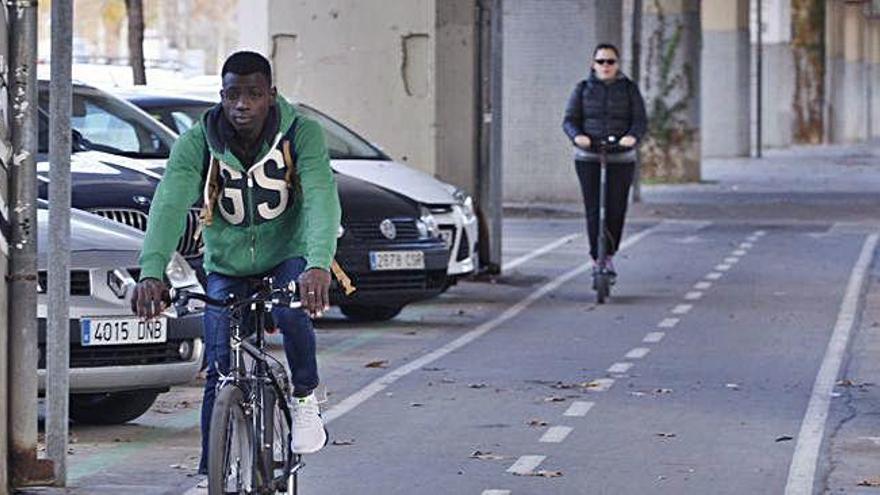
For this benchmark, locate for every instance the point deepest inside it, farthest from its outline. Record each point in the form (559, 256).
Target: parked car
(118, 364)
(389, 245)
(354, 156)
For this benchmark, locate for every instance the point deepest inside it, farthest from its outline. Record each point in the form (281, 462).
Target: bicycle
(251, 427)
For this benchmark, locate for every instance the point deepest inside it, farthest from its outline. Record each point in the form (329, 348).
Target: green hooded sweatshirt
(259, 219)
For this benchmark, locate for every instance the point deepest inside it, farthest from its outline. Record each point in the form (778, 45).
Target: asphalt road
(694, 379)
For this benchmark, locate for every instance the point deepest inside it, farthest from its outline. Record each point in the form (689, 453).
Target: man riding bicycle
(270, 208)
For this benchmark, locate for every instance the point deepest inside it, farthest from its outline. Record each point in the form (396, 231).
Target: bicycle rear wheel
(231, 463)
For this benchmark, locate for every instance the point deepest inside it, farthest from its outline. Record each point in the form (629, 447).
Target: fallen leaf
(432, 369)
(486, 456)
(377, 364)
(869, 482)
(477, 385)
(784, 438)
(554, 398)
(667, 435)
(447, 380)
(416, 404)
(732, 386)
(538, 423)
(541, 473)
(845, 383)
(663, 391)
(637, 394)
(563, 386)
(177, 466)
(343, 442)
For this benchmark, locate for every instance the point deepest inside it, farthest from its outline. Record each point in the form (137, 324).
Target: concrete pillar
(834, 63)
(851, 120)
(456, 93)
(874, 76)
(725, 98)
(672, 151)
(547, 49)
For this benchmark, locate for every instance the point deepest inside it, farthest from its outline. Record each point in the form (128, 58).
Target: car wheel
(358, 312)
(110, 408)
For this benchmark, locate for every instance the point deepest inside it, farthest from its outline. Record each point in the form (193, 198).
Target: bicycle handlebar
(285, 296)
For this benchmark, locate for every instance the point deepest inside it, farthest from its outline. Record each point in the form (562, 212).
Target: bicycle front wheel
(231, 463)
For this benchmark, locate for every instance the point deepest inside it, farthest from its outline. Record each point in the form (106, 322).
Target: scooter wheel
(603, 288)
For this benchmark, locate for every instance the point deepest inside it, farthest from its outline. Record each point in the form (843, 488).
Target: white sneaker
(309, 435)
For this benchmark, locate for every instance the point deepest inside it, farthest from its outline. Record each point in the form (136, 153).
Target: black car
(388, 245)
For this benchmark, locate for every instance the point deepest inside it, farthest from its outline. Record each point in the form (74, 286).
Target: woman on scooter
(605, 104)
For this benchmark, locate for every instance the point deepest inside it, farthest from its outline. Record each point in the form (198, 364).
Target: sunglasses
(605, 61)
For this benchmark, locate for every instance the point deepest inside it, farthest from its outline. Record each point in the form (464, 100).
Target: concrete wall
(375, 73)
(547, 49)
(726, 62)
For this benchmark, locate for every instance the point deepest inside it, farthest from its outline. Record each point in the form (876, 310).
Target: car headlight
(470, 213)
(427, 225)
(180, 274)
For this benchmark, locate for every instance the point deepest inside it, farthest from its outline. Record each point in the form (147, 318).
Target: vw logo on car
(388, 229)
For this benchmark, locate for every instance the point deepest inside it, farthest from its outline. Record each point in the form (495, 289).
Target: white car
(118, 363)
(354, 156)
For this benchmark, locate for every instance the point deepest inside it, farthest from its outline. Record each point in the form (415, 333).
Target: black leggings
(619, 180)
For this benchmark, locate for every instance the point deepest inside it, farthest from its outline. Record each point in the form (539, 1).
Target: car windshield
(342, 144)
(183, 117)
(104, 123)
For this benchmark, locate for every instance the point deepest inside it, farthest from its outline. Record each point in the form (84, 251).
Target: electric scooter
(602, 279)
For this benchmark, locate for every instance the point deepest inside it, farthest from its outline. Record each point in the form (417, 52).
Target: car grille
(118, 355)
(190, 243)
(369, 231)
(80, 282)
(399, 280)
(464, 247)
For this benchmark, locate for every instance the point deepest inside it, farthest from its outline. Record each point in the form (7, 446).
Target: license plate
(122, 331)
(397, 260)
(447, 236)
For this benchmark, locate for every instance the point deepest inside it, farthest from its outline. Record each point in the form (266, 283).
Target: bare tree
(135, 11)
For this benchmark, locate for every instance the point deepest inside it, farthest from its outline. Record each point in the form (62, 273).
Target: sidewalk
(805, 183)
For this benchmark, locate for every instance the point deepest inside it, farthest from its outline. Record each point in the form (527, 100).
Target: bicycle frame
(253, 380)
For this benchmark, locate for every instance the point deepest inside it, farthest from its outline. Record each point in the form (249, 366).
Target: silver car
(118, 364)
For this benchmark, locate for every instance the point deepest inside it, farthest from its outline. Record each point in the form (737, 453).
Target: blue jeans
(295, 325)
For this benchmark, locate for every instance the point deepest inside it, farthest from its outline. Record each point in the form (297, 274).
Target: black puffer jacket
(599, 110)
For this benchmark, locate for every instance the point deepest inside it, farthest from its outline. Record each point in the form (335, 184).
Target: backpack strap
(343, 278)
(211, 192)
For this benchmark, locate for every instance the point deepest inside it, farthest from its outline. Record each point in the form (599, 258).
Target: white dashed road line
(714, 276)
(802, 473)
(682, 309)
(601, 385)
(620, 367)
(732, 260)
(703, 285)
(526, 464)
(739, 252)
(723, 267)
(640, 352)
(693, 295)
(668, 323)
(578, 408)
(496, 492)
(556, 434)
